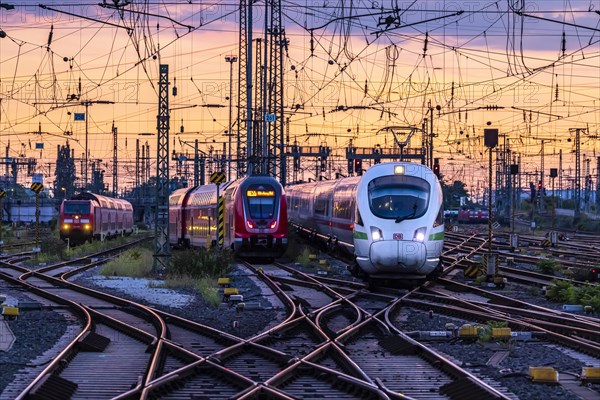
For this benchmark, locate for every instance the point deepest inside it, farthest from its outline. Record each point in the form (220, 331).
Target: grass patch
(199, 269)
(201, 262)
(136, 263)
(209, 291)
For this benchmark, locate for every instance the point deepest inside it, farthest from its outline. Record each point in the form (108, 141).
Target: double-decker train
(472, 216)
(255, 216)
(391, 218)
(92, 216)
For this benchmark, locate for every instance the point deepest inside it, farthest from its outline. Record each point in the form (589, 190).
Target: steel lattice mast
(162, 251)
(115, 181)
(276, 43)
(258, 146)
(242, 110)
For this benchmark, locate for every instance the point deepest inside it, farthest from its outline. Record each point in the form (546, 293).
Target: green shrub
(562, 291)
(304, 258)
(548, 266)
(201, 262)
(53, 248)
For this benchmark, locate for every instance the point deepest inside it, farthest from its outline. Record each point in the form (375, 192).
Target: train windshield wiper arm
(403, 217)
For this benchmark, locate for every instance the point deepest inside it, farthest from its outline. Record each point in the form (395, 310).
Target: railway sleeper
(59, 387)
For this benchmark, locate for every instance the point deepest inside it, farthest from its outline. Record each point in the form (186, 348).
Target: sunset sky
(352, 68)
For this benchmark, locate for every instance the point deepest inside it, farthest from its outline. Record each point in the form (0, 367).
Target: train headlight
(376, 234)
(420, 234)
(86, 227)
(250, 224)
(273, 224)
(66, 227)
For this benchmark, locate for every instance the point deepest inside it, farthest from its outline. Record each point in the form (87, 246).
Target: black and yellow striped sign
(2, 193)
(472, 271)
(546, 243)
(217, 177)
(221, 222)
(37, 187)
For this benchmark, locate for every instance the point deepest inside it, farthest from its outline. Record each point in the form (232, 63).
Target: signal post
(37, 187)
(2, 195)
(490, 139)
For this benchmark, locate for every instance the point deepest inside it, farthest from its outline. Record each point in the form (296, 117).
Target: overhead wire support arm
(522, 14)
(122, 8)
(417, 23)
(44, 7)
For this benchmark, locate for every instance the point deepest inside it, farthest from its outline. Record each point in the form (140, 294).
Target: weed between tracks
(563, 291)
(195, 269)
(135, 263)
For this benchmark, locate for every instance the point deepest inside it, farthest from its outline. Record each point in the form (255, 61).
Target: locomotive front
(76, 220)
(399, 227)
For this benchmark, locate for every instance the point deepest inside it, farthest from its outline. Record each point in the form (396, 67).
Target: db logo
(398, 236)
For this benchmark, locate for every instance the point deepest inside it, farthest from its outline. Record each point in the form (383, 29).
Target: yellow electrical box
(501, 333)
(543, 374)
(312, 257)
(467, 330)
(230, 291)
(323, 262)
(10, 312)
(223, 281)
(590, 374)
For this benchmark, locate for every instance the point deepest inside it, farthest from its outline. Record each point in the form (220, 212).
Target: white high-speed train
(391, 218)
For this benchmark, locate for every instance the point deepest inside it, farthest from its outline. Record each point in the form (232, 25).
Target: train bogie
(391, 218)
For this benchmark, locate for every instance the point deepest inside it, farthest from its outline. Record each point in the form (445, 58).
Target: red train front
(255, 217)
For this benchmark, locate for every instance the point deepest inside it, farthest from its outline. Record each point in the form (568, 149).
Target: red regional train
(255, 217)
(473, 216)
(92, 216)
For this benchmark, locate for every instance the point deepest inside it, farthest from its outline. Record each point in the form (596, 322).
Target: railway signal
(436, 168)
(358, 166)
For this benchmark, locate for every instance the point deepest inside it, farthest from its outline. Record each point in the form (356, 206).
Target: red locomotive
(255, 216)
(92, 216)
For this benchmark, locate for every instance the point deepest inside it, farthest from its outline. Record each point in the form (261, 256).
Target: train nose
(398, 255)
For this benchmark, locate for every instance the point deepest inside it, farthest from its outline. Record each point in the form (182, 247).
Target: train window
(439, 220)
(321, 203)
(261, 201)
(398, 196)
(76, 208)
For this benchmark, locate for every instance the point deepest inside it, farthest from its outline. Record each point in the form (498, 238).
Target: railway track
(339, 339)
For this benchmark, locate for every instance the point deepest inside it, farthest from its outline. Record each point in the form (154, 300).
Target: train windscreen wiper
(404, 217)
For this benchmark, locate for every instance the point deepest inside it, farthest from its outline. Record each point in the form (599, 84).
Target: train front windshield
(76, 208)
(398, 197)
(261, 201)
